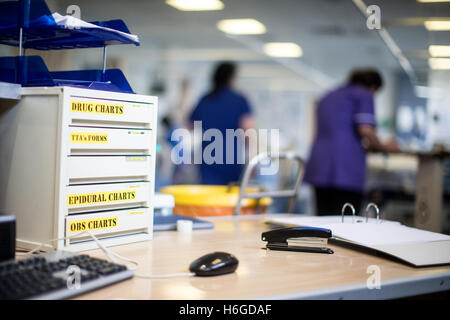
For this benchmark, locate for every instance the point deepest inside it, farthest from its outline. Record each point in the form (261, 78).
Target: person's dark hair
(222, 76)
(166, 122)
(369, 78)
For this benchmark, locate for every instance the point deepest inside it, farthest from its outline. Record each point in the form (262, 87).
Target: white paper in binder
(414, 246)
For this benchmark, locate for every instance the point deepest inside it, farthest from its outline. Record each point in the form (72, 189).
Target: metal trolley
(288, 193)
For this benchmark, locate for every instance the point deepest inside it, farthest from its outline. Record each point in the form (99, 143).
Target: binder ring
(377, 210)
(348, 204)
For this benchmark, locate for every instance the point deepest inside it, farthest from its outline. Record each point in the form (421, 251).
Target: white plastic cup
(184, 226)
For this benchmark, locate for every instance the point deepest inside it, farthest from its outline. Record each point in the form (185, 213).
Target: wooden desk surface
(262, 274)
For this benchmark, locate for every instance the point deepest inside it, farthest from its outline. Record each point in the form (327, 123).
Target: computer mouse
(214, 264)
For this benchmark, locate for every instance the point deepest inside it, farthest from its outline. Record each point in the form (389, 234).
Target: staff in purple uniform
(346, 126)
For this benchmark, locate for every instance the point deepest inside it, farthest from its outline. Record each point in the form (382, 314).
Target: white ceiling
(332, 33)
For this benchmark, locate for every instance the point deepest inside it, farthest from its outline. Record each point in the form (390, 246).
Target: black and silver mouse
(214, 264)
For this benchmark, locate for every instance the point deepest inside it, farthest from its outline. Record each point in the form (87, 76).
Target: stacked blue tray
(30, 25)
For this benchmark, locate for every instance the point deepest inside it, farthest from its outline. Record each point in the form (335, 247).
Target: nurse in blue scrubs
(223, 108)
(345, 132)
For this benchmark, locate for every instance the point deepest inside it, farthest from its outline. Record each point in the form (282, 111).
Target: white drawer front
(101, 167)
(106, 196)
(109, 222)
(105, 110)
(93, 138)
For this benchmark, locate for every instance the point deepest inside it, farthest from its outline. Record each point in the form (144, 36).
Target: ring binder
(348, 204)
(377, 210)
(413, 246)
(370, 205)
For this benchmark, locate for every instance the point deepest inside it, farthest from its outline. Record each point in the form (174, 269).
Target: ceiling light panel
(283, 49)
(439, 63)
(437, 25)
(439, 51)
(241, 26)
(196, 5)
(432, 1)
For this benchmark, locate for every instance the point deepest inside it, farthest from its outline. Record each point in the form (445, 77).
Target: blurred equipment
(7, 236)
(201, 201)
(168, 223)
(197, 200)
(165, 220)
(429, 213)
(264, 159)
(57, 275)
(163, 204)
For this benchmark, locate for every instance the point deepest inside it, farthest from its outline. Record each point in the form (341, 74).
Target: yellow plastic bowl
(202, 200)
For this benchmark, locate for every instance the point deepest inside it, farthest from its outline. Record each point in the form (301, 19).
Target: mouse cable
(112, 256)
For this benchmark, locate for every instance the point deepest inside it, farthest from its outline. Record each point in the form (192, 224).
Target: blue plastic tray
(41, 32)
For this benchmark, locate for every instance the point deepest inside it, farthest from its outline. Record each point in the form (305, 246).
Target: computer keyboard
(57, 275)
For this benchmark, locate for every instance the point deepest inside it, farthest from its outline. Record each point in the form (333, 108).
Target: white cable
(163, 276)
(112, 256)
(47, 241)
(106, 251)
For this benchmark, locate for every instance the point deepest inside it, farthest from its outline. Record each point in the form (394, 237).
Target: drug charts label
(97, 107)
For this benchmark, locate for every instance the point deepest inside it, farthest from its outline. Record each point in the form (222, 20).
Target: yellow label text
(88, 138)
(100, 197)
(93, 224)
(97, 107)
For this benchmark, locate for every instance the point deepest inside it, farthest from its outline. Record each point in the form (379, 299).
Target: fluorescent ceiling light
(428, 92)
(196, 5)
(439, 63)
(283, 49)
(430, 1)
(241, 26)
(437, 25)
(439, 51)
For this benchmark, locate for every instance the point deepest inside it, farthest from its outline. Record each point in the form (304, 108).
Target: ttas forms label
(88, 138)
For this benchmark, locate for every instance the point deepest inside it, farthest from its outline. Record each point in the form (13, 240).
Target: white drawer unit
(75, 158)
(93, 168)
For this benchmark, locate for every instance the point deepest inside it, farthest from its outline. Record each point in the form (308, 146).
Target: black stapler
(278, 239)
